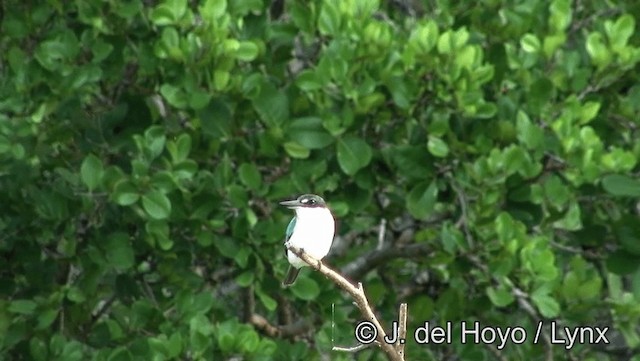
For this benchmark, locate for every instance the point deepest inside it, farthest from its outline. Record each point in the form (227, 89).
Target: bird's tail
(291, 276)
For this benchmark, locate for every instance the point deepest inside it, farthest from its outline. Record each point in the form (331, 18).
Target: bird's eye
(312, 201)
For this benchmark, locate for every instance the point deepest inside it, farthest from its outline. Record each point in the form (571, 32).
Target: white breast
(313, 233)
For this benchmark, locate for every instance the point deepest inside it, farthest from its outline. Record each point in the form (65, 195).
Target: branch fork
(395, 352)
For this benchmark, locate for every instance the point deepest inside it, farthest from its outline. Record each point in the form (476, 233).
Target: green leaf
(154, 141)
(329, 19)
(621, 185)
(53, 54)
(309, 132)
(560, 15)
(528, 133)
(627, 231)
(156, 204)
(91, 171)
(46, 318)
(421, 200)
(530, 43)
(557, 193)
(247, 51)
(216, 119)
(245, 279)
(226, 246)
(622, 262)
(180, 148)
(307, 80)
(400, 91)
(353, 154)
(250, 176)
(238, 196)
(75, 295)
(249, 341)
(119, 251)
(169, 12)
(174, 95)
(551, 43)
(272, 105)
(547, 305)
(437, 147)
(445, 42)
(38, 349)
(125, 193)
(500, 297)
(212, 10)
(120, 354)
(619, 32)
(600, 55)
(589, 111)
(424, 37)
(268, 302)
(24, 307)
(305, 288)
(174, 346)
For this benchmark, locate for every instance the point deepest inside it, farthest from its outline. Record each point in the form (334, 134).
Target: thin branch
(523, 301)
(299, 327)
(402, 329)
(363, 264)
(464, 217)
(381, 231)
(262, 324)
(249, 304)
(103, 308)
(357, 293)
(284, 310)
(352, 349)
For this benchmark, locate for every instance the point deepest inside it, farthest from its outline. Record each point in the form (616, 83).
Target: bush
(482, 161)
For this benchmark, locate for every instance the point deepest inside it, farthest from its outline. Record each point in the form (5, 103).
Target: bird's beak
(291, 204)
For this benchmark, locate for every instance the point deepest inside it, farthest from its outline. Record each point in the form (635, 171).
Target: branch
(522, 298)
(402, 329)
(353, 349)
(464, 216)
(363, 264)
(357, 293)
(290, 330)
(381, 231)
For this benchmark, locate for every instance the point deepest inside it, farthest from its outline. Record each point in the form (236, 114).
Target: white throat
(313, 232)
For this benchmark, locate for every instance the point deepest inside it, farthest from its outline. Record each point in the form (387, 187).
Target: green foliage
(144, 147)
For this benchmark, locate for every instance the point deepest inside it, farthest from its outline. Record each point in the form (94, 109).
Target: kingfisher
(311, 229)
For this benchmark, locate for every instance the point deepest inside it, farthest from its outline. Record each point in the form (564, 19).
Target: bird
(311, 229)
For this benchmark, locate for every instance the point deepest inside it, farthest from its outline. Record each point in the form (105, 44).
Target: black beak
(291, 204)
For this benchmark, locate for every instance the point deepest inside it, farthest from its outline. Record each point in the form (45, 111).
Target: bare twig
(402, 329)
(352, 349)
(357, 293)
(103, 307)
(464, 217)
(371, 260)
(381, 231)
(249, 303)
(299, 327)
(523, 301)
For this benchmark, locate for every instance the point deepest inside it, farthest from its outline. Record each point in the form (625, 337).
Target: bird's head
(305, 201)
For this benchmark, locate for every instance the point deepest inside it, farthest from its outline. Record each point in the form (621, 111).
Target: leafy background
(482, 159)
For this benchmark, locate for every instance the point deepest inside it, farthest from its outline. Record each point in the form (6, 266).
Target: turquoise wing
(290, 228)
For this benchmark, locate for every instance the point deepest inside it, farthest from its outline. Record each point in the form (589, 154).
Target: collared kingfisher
(311, 229)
